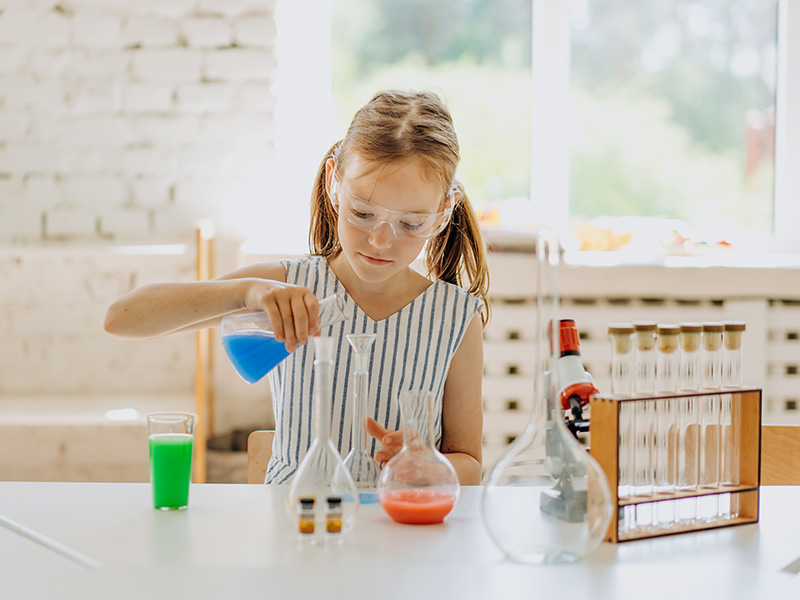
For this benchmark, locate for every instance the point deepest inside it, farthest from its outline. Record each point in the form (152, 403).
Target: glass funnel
(363, 468)
(546, 500)
(322, 474)
(251, 345)
(418, 486)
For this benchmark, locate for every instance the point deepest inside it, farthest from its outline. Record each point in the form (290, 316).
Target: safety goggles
(368, 216)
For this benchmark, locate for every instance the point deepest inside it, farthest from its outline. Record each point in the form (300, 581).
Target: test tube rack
(746, 428)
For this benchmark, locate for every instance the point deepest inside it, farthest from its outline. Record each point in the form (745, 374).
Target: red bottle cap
(568, 333)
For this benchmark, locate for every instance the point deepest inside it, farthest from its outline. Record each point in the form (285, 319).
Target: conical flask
(250, 343)
(322, 473)
(419, 485)
(546, 500)
(364, 469)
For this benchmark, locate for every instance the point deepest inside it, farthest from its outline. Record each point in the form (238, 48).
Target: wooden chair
(259, 451)
(780, 455)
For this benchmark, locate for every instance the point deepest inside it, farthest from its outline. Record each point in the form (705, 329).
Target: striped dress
(412, 350)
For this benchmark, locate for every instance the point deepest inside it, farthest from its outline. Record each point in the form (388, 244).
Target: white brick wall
(108, 107)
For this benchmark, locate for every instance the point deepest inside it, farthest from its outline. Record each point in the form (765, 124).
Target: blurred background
(153, 141)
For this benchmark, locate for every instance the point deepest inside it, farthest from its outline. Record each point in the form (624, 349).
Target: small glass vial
(732, 354)
(667, 358)
(305, 521)
(333, 520)
(622, 372)
(691, 334)
(712, 355)
(645, 357)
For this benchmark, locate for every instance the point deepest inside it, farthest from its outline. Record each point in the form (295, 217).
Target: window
(660, 116)
(673, 114)
(476, 54)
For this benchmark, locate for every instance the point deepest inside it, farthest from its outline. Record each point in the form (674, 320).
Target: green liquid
(170, 469)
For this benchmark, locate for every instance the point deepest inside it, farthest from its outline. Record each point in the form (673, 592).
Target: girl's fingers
(300, 323)
(287, 320)
(275, 320)
(312, 308)
(375, 429)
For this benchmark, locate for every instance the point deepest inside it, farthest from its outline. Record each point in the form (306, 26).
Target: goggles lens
(367, 216)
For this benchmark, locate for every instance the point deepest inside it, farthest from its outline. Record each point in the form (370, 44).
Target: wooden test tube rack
(746, 422)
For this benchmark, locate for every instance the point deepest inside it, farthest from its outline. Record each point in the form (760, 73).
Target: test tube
(731, 378)
(645, 357)
(667, 380)
(732, 354)
(667, 358)
(691, 334)
(622, 385)
(688, 428)
(622, 372)
(710, 420)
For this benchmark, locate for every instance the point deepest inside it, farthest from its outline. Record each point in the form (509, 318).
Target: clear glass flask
(364, 469)
(251, 345)
(546, 500)
(322, 473)
(418, 486)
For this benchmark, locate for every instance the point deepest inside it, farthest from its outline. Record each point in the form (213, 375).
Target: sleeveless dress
(413, 350)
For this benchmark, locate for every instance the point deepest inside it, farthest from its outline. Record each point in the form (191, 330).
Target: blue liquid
(367, 497)
(254, 354)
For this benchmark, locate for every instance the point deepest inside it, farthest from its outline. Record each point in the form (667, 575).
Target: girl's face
(377, 255)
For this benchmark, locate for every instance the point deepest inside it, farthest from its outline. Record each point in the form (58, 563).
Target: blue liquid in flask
(254, 353)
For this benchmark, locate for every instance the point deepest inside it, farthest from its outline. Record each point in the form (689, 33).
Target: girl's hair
(397, 125)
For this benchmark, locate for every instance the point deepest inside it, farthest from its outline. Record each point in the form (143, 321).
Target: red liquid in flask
(417, 506)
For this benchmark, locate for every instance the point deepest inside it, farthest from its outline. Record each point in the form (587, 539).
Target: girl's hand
(391, 442)
(293, 311)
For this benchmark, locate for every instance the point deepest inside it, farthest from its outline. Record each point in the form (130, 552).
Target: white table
(234, 541)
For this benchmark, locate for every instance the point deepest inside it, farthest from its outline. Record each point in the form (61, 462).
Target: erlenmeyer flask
(418, 486)
(363, 468)
(322, 473)
(546, 500)
(251, 345)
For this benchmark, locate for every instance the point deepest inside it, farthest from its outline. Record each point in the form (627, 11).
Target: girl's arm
(462, 407)
(161, 308)
(462, 411)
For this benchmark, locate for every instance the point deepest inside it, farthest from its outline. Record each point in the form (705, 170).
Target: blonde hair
(396, 125)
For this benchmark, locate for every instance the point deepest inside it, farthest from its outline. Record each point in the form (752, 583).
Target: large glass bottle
(546, 500)
(364, 469)
(418, 486)
(322, 473)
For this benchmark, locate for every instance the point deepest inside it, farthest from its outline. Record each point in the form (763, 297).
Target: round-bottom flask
(418, 486)
(322, 474)
(546, 500)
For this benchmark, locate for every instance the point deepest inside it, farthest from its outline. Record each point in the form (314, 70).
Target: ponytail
(458, 254)
(323, 239)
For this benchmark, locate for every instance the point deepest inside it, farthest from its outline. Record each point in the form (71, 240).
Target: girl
(382, 194)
